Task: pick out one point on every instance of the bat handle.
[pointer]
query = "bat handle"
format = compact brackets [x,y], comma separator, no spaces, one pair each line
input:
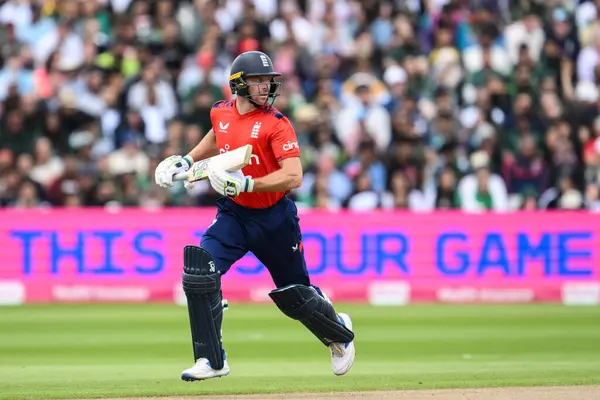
[181,176]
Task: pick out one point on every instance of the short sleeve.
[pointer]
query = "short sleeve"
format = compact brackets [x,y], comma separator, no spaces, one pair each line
[215,110]
[213,113]
[283,140]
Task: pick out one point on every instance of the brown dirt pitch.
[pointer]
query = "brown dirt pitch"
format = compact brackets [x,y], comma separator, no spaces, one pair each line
[520,393]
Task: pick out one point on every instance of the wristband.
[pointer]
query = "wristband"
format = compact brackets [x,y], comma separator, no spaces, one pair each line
[188,159]
[249,186]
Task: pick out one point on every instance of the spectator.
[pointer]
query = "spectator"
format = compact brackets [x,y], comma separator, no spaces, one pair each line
[27,196]
[481,189]
[337,184]
[16,135]
[364,197]
[526,33]
[526,170]
[402,195]
[129,158]
[363,118]
[153,90]
[47,166]
[367,163]
[444,195]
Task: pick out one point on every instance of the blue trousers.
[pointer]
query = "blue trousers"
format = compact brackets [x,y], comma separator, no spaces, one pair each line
[272,234]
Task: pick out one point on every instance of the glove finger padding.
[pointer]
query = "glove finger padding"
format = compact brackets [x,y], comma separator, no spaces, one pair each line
[229,184]
[217,188]
[215,181]
[169,167]
[163,179]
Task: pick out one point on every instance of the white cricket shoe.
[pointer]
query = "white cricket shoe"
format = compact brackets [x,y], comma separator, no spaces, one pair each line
[202,370]
[342,354]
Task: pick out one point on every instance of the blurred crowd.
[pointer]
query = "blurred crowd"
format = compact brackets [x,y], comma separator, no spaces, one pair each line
[408,104]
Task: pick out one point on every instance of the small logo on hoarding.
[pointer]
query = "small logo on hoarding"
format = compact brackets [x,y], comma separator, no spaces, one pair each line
[77,293]
[179,295]
[581,293]
[260,294]
[394,293]
[12,293]
[469,294]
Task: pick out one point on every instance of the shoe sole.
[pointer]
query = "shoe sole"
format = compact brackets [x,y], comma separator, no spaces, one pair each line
[191,378]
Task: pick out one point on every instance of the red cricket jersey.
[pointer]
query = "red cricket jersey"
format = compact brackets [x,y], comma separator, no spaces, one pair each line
[272,138]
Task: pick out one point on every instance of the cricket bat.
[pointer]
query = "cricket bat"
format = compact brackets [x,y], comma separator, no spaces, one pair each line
[231,161]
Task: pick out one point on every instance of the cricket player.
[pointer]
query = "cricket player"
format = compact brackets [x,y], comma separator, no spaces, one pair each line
[254,215]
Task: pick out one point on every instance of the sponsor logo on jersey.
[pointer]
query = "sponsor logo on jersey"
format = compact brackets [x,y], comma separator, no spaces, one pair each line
[290,146]
[223,127]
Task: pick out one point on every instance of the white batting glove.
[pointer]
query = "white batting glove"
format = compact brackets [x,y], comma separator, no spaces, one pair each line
[229,184]
[170,166]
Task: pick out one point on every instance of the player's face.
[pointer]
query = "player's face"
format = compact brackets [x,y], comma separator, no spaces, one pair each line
[258,88]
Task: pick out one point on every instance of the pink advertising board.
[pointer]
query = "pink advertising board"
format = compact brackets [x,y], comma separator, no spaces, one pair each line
[382,258]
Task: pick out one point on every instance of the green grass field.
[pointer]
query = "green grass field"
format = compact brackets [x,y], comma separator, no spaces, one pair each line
[79,351]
